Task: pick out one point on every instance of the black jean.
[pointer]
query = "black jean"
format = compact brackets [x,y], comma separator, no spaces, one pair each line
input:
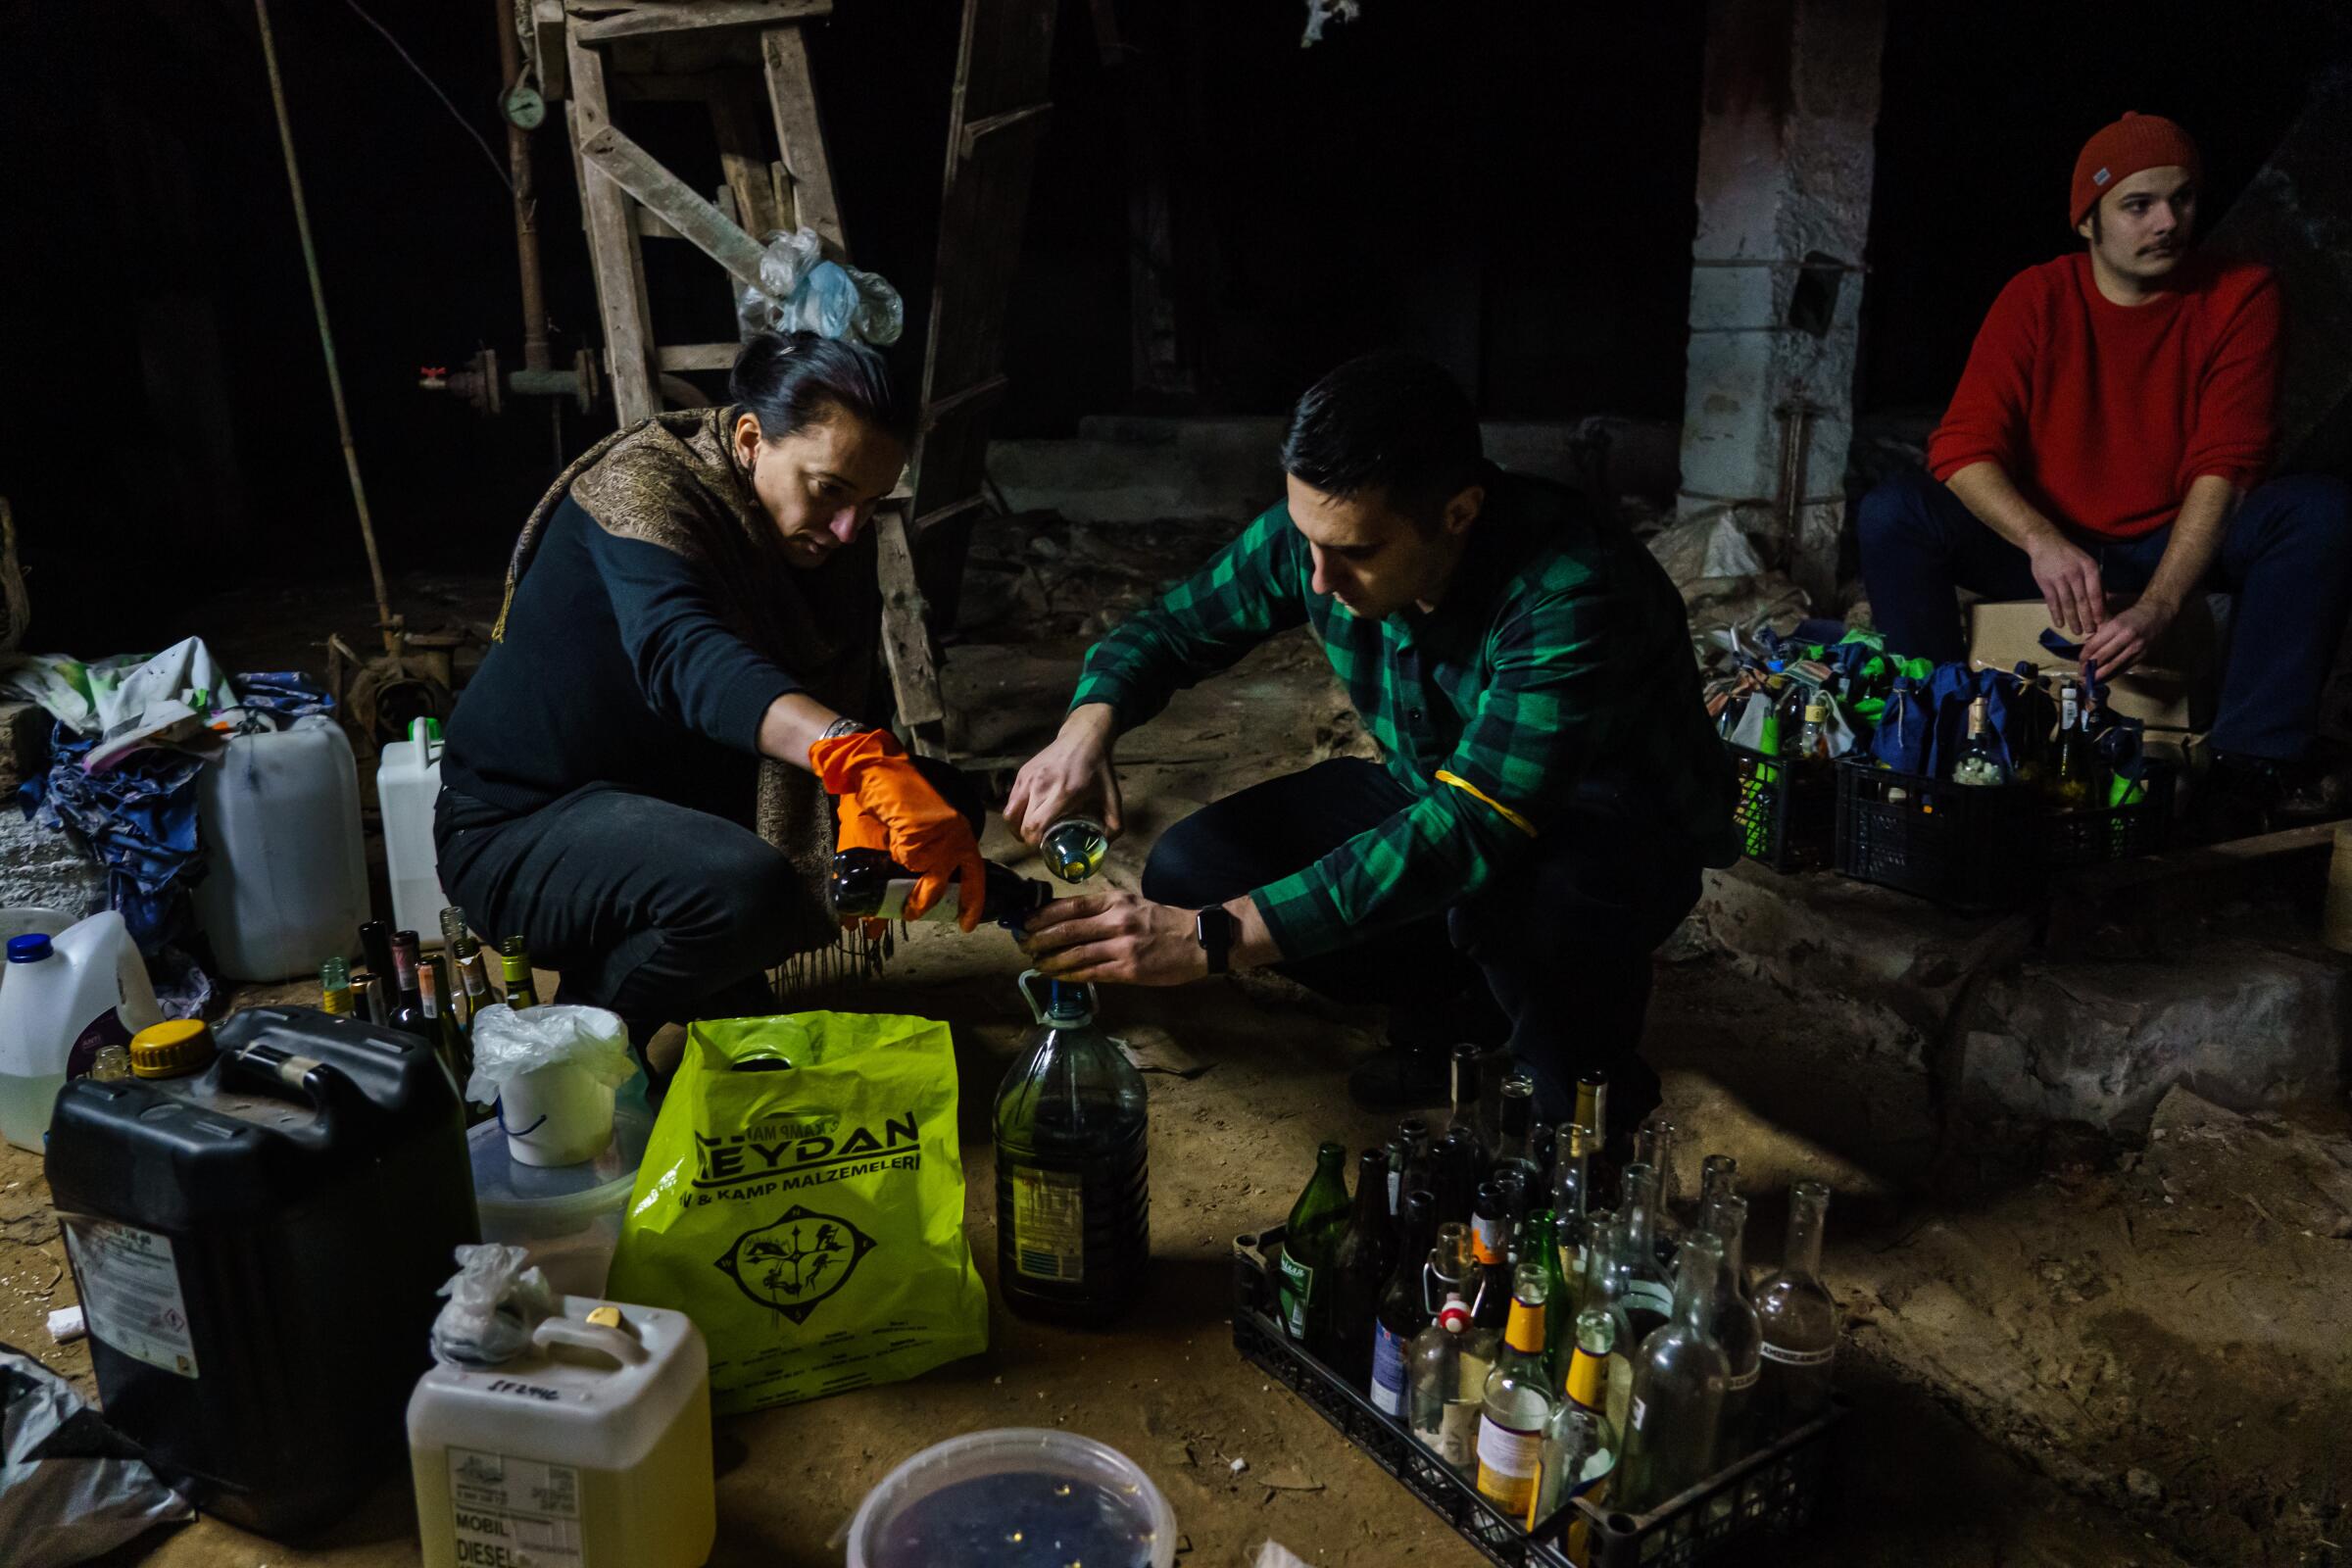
[1562,940]
[661,912]
[2287,557]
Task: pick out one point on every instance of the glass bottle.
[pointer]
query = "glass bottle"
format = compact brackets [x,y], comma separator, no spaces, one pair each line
[1799,1321]
[456,1051]
[1404,1305]
[1310,1250]
[1467,1090]
[334,987]
[2068,782]
[1541,1253]
[1603,1329]
[1718,1175]
[1647,1296]
[453,992]
[1812,748]
[1679,1381]
[1601,1384]
[1515,1115]
[376,946]
[515,968]
[1448,1368]
[867,884]
[1365,1258]
[1737,1329]
[1592,1106]
[408,992]
[1491,1241]
[1775,695]
[1654,1146]
[1981,763]
[1572,1442]
[1409,1163]
[1073,1176]
[1074,847]
[474,975]
[1571,1205]
[1518,1403]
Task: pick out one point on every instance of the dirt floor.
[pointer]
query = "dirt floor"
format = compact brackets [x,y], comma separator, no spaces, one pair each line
[2060,1351]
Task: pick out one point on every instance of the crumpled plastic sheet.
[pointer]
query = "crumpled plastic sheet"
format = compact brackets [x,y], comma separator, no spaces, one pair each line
[495,1303]
[801,291]
[508,1044]
[70,1486]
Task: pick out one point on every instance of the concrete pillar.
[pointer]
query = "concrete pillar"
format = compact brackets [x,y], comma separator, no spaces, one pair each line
[1785,159]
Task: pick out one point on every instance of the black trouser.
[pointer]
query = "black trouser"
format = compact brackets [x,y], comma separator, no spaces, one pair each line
[1561,939]
[658,911]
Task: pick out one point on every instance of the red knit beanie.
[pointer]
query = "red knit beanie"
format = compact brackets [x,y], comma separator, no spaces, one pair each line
[2121,150]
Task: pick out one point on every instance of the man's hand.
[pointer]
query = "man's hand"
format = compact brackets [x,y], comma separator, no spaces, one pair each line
[1115,935]
[1073,774]
[2068,580]
[2126,637]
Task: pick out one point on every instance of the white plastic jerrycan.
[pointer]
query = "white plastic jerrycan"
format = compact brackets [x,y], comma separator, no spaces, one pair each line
[63,999]
[590,1447]
[406,782]
[279,815]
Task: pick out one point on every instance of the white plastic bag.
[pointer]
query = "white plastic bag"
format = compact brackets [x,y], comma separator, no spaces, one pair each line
[508,1044]
[494,1304]
[801,291]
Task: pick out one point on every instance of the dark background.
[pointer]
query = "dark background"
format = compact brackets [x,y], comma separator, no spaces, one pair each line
[1505,185]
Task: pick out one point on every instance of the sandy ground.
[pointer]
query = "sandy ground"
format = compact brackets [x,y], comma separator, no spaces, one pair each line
[2015,1351]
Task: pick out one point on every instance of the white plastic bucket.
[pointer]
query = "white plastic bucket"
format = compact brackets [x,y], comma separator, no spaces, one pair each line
[992,1469]
[558,1115]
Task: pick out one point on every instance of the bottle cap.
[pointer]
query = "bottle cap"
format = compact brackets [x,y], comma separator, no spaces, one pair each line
[31,949]
[1453,1316]
[171,1048]
[424,729]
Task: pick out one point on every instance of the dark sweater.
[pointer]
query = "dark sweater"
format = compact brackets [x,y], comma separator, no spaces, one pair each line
[618,667]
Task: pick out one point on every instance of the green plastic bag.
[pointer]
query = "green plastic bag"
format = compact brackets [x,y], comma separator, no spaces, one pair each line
[808,1217]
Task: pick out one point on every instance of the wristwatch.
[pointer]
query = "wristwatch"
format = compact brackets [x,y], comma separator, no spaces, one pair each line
[1216,929]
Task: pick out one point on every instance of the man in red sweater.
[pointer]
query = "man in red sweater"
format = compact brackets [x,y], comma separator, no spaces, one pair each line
[2106,449]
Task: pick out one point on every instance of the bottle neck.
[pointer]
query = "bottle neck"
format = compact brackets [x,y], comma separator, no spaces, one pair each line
[1372,1190]
[1640,1186]
[1525,1331]
[1802,1255]
[1695,1292]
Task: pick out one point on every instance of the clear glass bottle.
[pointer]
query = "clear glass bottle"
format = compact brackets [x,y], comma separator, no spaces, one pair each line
[1646,1291]
[2068,778]
[1737,1329]
[1311,1247]
[1570,1207]
[1679,1381]
[1717,1174]
[1592,1107]
[1075,847]
[1447,1370]
[1799,1321]
[1571,1442]
[1514,1116]
[1518,1405]
[1594,1385]
[1409,1163]
[1073,1183]
[1654,1144]
[334,987]
[1468,1091]
[1603,1327]
[1981,763]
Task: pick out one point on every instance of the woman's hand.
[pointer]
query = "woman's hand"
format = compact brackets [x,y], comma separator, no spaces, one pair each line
[923,832]
[1074,775]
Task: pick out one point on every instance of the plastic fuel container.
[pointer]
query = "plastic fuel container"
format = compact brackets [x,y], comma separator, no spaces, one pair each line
[589,1450]
[406,782]
[257,1241]
[287,884]
[63,999]
[1073,1188]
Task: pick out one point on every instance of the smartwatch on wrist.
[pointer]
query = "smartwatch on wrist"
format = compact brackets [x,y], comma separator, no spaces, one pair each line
[1215,927]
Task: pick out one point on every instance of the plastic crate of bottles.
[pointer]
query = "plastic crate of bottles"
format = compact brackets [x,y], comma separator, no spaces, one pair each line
[1773,1492]
[1964,847]
[2096,835]
[1786,816]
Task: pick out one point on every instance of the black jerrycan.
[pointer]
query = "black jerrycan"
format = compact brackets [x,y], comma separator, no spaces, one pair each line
[258,1225]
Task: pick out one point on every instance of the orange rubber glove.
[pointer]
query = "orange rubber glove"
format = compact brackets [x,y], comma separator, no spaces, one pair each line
[923,832]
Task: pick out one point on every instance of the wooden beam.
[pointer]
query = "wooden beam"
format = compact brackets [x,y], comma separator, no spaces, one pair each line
[905,644]
[736,120]
[548,48]
[601,20]
[681,207]
[698,355]
[981,395]
[792,95]
[981,130]
[612,246]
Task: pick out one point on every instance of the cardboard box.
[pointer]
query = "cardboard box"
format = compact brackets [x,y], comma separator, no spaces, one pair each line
[2172,688]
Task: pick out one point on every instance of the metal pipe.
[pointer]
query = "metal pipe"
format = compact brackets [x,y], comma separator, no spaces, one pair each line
[385,621]
[526,202]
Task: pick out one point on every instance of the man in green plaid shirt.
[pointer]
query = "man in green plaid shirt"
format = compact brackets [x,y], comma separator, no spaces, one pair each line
[1549,785]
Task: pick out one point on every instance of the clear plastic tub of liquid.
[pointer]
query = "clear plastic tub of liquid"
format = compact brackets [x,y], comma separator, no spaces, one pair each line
[567,1217]
[1014,1499]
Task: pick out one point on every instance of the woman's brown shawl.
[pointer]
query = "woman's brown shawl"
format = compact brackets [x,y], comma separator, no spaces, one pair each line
[675,481]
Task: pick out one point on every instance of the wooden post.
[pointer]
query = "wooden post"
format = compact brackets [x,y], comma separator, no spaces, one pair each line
[792,95]
[612,244]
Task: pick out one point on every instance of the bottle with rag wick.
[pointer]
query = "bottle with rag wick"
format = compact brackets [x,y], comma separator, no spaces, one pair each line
[867,884]
[1073,1183]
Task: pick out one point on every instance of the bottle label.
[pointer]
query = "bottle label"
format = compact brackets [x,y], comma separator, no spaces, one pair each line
[1507,1461]
[1572,1265]
[131,1294]
[1388,1371]
[1048,1224]
[511,1510]
[1650,1293]
[1395,1177]
[1297,1295]
[1741,1381]
[1794,1357]
[1488,1238]
[1639,1410]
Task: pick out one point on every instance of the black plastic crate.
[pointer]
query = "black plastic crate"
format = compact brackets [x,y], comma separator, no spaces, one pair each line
[1968,848]
[1786,816]
[1773,1492]
[2096,836]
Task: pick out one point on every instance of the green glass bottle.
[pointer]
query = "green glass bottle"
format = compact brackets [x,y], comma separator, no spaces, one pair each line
[1310,1249]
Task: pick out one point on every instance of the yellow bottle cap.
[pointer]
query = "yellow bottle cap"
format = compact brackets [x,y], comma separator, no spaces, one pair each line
[171,1048]
[604,1318]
